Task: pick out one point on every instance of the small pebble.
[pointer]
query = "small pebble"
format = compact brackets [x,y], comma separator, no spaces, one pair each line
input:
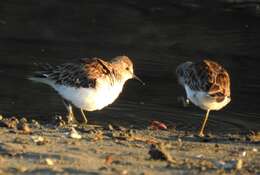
[24,127]
[49,162]
[10,122]
[39,140]
[200,156]
[124,172]
[244,153]
[36,124]
[22,169]
[239,164]
[203,168]
[74,134]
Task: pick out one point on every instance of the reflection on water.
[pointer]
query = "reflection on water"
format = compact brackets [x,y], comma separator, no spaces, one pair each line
[157,44]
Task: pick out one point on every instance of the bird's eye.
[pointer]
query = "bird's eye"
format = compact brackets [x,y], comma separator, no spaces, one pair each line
[127,68]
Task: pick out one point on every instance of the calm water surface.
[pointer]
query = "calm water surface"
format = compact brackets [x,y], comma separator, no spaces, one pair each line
[156,42]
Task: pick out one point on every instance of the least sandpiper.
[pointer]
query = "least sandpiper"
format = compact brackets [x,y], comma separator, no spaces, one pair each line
[207,85]
[90,84]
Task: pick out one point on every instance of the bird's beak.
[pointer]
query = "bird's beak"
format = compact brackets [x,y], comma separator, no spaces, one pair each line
[137,78]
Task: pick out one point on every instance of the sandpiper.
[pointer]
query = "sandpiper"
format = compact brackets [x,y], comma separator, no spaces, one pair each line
[90,84]
[207,85]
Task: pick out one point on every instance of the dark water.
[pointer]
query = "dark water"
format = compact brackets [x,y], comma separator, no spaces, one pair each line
[157,38]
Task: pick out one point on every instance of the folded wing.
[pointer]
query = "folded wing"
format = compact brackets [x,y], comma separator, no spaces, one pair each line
[208,76]
[83,74]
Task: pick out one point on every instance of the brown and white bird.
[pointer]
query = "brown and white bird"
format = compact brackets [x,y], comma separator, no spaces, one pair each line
[90,85]
[207,85]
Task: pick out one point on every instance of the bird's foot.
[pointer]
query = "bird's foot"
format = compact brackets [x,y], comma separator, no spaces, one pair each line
[201,134]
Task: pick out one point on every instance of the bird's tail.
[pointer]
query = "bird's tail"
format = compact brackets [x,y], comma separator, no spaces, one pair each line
[38,79]
[41,76]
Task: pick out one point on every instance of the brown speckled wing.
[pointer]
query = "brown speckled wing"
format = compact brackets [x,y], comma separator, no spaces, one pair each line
[83,74]
[208,76]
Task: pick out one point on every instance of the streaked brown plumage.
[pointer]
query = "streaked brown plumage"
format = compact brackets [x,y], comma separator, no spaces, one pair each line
[207,84]
[90,84]
[85,73]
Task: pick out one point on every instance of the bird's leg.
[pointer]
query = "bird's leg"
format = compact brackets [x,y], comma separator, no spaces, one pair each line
[83,115]
[70,116]
[201,134]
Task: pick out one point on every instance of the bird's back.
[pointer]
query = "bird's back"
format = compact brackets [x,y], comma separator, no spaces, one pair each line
[81,74]
[206,76]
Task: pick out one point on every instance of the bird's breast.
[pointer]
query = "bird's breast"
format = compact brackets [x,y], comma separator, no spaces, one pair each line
[107,93]
[204,100]
[91,99]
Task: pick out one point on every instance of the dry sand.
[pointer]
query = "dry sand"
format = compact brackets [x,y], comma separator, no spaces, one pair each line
[31,148]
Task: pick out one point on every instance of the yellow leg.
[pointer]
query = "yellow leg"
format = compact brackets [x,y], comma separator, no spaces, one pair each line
[70,117]
[83,115]
[204,124]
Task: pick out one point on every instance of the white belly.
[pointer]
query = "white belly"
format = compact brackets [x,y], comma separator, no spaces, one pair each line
[204,101]
[91,99]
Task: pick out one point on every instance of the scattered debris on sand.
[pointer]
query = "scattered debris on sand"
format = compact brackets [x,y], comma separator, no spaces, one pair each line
[49,161]
[9,122]
[157,125]
[74,134]
[13,123]
[159,152]
[30,147]
[23,125]
[58,121]
[254,137]
[39,140]
[109,160]
[229,165]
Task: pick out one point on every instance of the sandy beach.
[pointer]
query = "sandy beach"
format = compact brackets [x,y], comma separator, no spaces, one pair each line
[27,147]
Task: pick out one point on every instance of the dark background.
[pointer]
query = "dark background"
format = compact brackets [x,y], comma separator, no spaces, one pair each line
[156,35]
